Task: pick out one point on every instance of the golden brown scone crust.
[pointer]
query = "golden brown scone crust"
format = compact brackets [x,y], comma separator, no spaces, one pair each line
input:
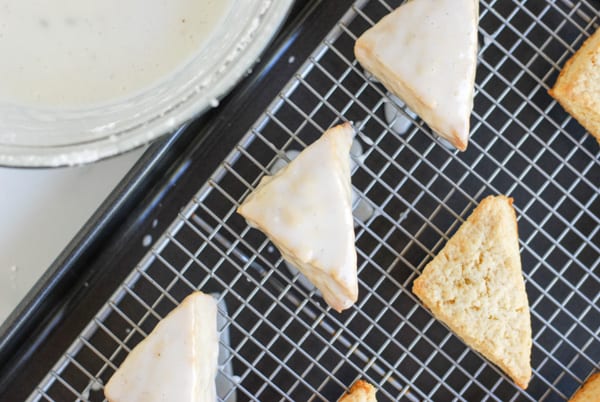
[589,392]
[577,88]
[361,391]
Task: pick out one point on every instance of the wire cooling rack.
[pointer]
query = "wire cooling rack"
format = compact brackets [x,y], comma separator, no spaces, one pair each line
[283,343]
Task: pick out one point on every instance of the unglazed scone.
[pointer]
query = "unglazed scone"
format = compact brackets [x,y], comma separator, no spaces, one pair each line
[475,286]
[577,88]
[177,362]
[361,391]
[305,210]
[425,52]
[589,392]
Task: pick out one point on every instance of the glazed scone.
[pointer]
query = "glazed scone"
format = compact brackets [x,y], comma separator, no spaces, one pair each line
[475,286]
[305,209]
[577,88]
[361,391]
[177,362]
[589,392]
[425,52]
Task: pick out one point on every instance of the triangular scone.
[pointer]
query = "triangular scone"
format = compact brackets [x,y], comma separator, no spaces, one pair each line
[577,88]
[425,52]
[589,392]
[305,209]
[176,362]
[361,391]
[475,286]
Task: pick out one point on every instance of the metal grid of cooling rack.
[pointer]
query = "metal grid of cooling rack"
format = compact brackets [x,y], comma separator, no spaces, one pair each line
[283,343]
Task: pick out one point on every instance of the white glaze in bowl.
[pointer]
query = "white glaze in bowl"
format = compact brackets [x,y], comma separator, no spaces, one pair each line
[43,135]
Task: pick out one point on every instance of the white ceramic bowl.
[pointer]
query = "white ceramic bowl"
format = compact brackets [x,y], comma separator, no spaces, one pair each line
[59,137]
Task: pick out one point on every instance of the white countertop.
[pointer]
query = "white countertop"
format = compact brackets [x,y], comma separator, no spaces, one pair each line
[40,211]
